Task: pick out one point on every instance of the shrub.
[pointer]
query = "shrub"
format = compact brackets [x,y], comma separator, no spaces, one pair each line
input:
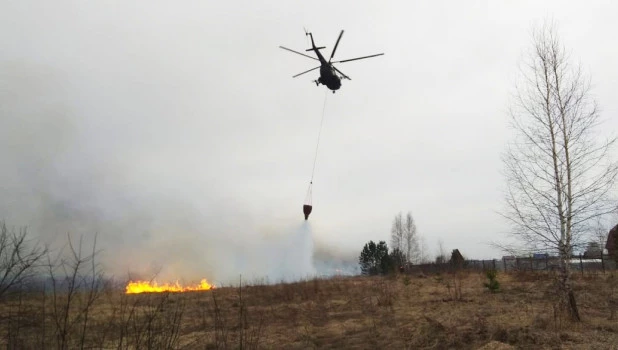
[406,280]
[492,283]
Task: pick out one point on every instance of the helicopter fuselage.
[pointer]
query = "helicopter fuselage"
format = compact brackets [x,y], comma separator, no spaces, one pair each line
[328,76]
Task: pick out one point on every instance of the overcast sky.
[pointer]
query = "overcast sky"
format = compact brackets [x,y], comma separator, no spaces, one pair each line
[174,129]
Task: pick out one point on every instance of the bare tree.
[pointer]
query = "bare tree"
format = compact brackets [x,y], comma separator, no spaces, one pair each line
[77,282]
[601,229]
[423,251]
[20,258]
[404,237]
[558,174]
[410,239]
[441,255]
[397,233]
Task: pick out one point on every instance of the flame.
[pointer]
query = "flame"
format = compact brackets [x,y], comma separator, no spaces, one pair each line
[148,287]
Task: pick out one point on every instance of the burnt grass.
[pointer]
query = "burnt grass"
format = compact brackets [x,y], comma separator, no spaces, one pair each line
[405,311]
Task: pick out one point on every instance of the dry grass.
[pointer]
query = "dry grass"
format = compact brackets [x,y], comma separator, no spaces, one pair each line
[444,311]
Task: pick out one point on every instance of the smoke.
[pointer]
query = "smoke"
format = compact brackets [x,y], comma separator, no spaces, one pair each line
[280,257]
[293,255]
[152,219]
[129,139]
[330,260]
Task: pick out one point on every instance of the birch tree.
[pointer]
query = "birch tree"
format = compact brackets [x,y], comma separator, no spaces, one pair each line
[397,233]
[558,172]
[410,239]
[404,236]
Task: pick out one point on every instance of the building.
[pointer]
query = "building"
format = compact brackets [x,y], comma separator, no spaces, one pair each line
[612,244]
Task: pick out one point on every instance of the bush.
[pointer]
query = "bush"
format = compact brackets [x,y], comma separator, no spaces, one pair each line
[492,283]
[406,280]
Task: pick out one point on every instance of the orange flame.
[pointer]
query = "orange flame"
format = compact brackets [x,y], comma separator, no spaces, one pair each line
[148,287]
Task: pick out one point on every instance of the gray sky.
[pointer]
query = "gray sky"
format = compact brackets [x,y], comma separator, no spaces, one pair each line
[175,130]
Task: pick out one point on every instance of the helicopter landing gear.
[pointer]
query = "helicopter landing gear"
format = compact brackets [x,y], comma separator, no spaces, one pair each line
[317,83]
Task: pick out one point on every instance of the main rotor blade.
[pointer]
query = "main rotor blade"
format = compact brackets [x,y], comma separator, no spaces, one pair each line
[335,48]
[307,71]
[302,54]
[340,72]
[358,58]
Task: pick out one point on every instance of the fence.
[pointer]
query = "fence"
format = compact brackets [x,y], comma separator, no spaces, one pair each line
[578,263]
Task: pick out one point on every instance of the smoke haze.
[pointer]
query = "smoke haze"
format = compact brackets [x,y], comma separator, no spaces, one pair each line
[175,132]
[57,180]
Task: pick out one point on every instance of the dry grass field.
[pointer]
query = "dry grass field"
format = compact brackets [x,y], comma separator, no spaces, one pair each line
[446,311]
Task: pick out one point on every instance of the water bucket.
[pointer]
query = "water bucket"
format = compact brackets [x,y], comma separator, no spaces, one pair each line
[307,210]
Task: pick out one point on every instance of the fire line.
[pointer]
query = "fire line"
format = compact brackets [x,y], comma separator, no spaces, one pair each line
[136,287]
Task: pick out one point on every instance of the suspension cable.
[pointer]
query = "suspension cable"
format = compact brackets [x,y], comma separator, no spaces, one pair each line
[319,134]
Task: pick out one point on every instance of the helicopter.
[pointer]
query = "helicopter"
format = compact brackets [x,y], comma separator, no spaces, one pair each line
[328,72]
